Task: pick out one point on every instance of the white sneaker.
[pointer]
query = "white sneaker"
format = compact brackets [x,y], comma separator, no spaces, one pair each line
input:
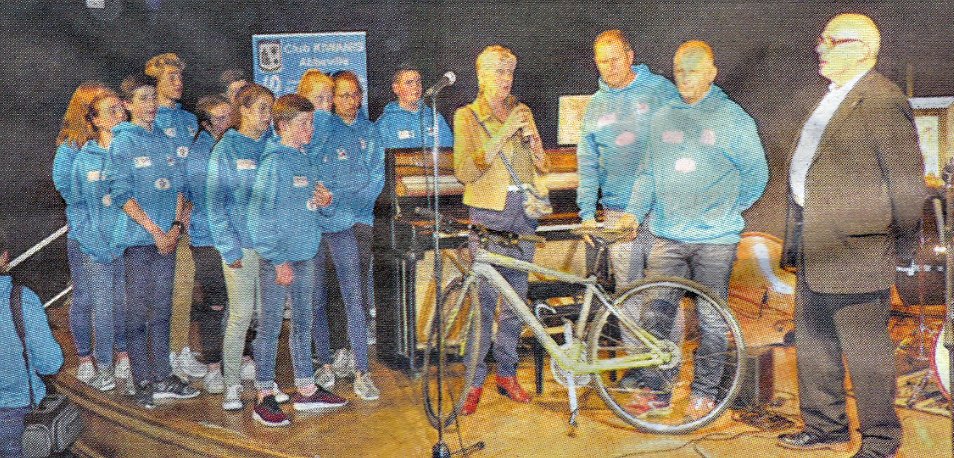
[364,387]
[248,369]
[280,396]
[233,398]
[213,382]
[325,377]
[191,366]
[86,371]
[343,363]
[103,381]
[122,370]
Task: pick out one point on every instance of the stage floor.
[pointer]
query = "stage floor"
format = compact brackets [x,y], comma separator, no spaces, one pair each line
[395,425]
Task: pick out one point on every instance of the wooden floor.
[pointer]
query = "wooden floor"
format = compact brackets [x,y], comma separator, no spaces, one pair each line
[396,426]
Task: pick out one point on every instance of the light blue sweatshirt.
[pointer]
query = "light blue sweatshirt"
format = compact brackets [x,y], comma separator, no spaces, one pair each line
[400,128]
[196,177]
[232,169]
[351,165]
[613,139]
[283,218]
[143,166]
[97,214]
[62,167]
[705,166]
[180,126]
[322,125]
[43,351]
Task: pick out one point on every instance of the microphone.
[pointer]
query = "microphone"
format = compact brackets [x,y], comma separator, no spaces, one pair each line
[447,80]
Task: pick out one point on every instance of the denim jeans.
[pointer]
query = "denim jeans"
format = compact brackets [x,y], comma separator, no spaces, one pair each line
[343,249]
[509,325]
[105,287]
[270,322]
[245,295]
[149,278]
[364,234]
[81,324]
[710,265]
[211,282]
[11,431]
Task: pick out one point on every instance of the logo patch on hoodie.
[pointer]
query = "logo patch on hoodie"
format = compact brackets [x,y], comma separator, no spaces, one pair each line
[642,108]
[93,175]
[342,154]
[171,132]
[163,184]
[685,165]
[141,162]
[405,134]
[363,142]
[674,137]
[625,138]
[708,137]
[107,200]
[182,151]
[605,120]
[245,164]
[300,181]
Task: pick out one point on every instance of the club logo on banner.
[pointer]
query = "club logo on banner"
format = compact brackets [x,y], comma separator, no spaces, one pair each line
[270,55]
[280,60]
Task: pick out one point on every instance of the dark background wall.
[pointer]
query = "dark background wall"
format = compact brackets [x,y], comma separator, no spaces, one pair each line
[764,51]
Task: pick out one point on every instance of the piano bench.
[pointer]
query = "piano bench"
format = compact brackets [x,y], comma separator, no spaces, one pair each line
[539,292]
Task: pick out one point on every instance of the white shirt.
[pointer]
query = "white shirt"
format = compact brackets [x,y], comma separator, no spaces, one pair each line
[812,134]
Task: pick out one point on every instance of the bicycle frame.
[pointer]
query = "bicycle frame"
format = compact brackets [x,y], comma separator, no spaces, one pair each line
[482,267]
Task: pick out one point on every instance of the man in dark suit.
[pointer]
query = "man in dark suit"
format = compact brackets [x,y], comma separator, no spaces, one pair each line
[855,202]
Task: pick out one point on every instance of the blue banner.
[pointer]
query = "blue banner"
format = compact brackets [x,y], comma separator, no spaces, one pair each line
[281,59]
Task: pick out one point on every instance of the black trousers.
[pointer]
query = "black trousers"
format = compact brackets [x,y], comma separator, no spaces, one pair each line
[827,327]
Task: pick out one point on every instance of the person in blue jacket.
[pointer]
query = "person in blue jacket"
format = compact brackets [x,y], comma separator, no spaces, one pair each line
[181,127]
[232,170]
[705,167]
[43,352]
[96,218]
[147,185]
[408,122]
[75,132]
[613,143]
[351,165]
[284,218]
[215,114]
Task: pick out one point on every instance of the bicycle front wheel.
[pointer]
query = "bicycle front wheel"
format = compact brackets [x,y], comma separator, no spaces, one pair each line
[460,321]
[699,373]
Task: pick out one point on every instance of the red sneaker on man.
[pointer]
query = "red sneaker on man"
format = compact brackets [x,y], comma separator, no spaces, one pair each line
[470,404]
[269,413]
[509,387]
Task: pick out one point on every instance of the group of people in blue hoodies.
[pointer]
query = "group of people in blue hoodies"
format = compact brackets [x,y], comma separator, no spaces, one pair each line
[272,194]
[699,163]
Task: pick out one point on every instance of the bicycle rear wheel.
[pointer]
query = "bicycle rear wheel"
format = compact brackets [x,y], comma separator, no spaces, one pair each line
[460,313]
[705,342]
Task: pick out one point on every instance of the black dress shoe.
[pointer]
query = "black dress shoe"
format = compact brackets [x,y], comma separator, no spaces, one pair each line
[872,452]
[804,440]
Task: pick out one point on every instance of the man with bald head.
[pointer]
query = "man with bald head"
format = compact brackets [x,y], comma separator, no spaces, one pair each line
[855,202]
[613,141]
[705,165]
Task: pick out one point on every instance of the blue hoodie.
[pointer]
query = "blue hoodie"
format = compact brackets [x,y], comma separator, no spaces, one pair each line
[613,139]
[322,124]
[351,165]
[43,351]
[705,167]
[196,179]
[283,219]
[400,128]
[90,195]
[180,126]
[143,166]
[232,169]
[62,166]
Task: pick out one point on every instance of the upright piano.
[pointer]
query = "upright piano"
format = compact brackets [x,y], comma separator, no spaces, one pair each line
[404,281]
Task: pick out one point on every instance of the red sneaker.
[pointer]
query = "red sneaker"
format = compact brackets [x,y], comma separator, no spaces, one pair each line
[269,413]
[473,397]
[509,387]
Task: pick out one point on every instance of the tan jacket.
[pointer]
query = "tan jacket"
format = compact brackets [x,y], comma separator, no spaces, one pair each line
[476,160]
[864,194]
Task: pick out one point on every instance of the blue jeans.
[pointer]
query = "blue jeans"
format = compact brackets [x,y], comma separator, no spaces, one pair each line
[509,325]
[104,286]
[710,265]
[364,234]
[270,323]
[343,249]
[11,431]
[148,311]
[81,304]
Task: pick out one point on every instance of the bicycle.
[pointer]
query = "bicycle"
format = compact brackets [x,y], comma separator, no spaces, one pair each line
[604,349]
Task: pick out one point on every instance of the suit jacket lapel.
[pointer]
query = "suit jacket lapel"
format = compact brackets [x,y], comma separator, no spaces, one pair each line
[847,107]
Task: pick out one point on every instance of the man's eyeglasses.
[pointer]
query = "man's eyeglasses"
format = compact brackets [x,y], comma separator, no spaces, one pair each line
[829,42]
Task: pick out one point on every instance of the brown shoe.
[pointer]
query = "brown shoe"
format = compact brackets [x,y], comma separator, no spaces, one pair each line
[473,397]
[509,387]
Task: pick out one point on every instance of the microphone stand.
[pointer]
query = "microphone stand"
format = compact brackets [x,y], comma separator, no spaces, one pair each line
[440,449]
[949,289]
